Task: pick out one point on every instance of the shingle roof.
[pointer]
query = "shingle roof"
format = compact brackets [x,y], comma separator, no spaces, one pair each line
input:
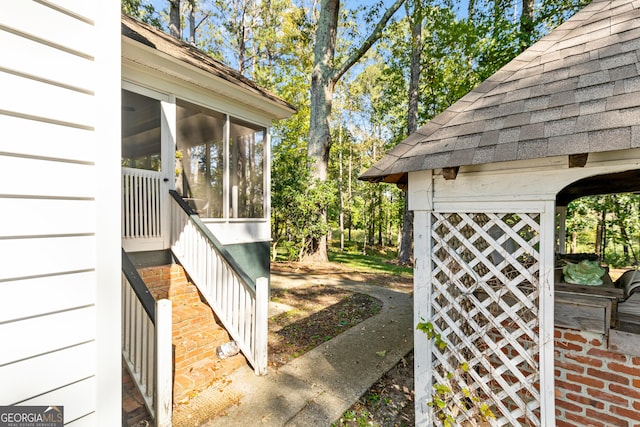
[577,90]
[182,51]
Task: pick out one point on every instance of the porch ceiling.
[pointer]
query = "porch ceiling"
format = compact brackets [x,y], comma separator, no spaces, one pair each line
[623,182]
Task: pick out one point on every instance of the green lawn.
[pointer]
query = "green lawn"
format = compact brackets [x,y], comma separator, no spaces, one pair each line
[375,261]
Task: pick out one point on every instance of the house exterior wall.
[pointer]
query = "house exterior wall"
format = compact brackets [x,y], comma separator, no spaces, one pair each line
[59,285]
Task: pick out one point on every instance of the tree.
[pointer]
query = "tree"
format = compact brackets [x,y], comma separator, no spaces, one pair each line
[141,10]
[405,253]
[527,24]
[324,77]
[175,27]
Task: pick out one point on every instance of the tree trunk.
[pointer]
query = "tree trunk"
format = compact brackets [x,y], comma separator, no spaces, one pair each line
[192,22]
[174,19]
[322,87]
[527,24]
[323,80]
[341,191]
[405,253]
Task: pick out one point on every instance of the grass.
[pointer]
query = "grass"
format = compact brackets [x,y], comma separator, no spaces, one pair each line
[376,260]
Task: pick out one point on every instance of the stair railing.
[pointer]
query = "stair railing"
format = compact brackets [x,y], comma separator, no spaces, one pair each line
[240,304]
[146,343]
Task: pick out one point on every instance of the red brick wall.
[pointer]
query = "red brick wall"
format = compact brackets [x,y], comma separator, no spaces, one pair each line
[594,386]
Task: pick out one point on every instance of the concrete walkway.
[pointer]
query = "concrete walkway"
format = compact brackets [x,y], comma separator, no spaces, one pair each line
[316,388]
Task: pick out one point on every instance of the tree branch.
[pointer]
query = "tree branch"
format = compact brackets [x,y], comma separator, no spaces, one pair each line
[366,45]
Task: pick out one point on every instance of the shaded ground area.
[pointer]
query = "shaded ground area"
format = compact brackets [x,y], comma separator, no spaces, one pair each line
[318,313]
[312,311]
[403,283]
[388,403]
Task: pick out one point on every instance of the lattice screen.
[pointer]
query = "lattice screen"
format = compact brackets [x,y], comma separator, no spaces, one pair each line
[485,309]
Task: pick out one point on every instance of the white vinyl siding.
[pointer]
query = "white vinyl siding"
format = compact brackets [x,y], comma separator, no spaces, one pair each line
[33,138]
[84,400]
[24,217]
[34,19]
[47,372]
[57,73]
[44,294]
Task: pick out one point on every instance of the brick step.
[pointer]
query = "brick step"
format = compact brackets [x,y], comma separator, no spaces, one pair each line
[192,318]
[204,374]
[196,334]
[191,349]
[170,281]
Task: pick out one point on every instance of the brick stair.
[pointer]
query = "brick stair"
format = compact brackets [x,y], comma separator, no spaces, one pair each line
[196,332]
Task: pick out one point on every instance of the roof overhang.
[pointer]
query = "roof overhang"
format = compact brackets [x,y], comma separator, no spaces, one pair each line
[573,93]
[154,50]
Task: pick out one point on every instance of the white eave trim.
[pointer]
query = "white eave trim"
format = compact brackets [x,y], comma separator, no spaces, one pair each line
[161,62]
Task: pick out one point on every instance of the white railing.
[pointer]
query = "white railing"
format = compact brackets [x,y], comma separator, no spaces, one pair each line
[240,306]
[141,203]
[147,349]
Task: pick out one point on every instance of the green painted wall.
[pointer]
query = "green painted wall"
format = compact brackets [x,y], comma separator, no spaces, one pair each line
[254,257]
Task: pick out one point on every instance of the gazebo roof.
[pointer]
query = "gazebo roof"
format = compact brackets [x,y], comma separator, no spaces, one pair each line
[576,91]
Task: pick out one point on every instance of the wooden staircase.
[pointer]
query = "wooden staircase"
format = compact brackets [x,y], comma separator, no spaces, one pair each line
[196,333]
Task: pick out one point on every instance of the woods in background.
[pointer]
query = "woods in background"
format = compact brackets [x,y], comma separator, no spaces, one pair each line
[362,79]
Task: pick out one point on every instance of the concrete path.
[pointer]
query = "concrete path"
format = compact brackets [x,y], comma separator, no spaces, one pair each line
[316,388]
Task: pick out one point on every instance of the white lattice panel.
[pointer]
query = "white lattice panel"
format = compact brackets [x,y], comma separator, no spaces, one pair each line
[485,308]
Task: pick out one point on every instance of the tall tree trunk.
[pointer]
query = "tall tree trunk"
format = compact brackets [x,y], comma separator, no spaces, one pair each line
[405,253]
[175,29]
[527,24]
[341,191]
[322,87]
[324,77]
[242,37]
[192,22]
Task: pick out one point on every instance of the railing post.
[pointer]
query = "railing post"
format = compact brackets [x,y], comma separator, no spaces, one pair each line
[164,364]
[262,316]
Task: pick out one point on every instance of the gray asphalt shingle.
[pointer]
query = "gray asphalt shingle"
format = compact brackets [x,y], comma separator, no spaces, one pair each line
[577,90]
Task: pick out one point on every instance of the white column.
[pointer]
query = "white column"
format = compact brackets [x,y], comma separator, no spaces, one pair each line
[420,194]
[163,403]
[261,330]
[546,308]
[107,202]
[422,313]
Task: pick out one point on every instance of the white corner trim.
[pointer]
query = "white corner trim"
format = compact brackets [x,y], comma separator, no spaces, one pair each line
[420,190]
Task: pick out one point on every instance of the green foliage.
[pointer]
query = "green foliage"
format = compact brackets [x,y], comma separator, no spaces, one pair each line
[429,330]
[380,261]
[272,43]
[350,418]
[606,225]
[143,11]
[296,202]
[454,389]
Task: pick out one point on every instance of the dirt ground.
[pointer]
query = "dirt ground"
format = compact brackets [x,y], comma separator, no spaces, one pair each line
[388,403]
[321,312]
